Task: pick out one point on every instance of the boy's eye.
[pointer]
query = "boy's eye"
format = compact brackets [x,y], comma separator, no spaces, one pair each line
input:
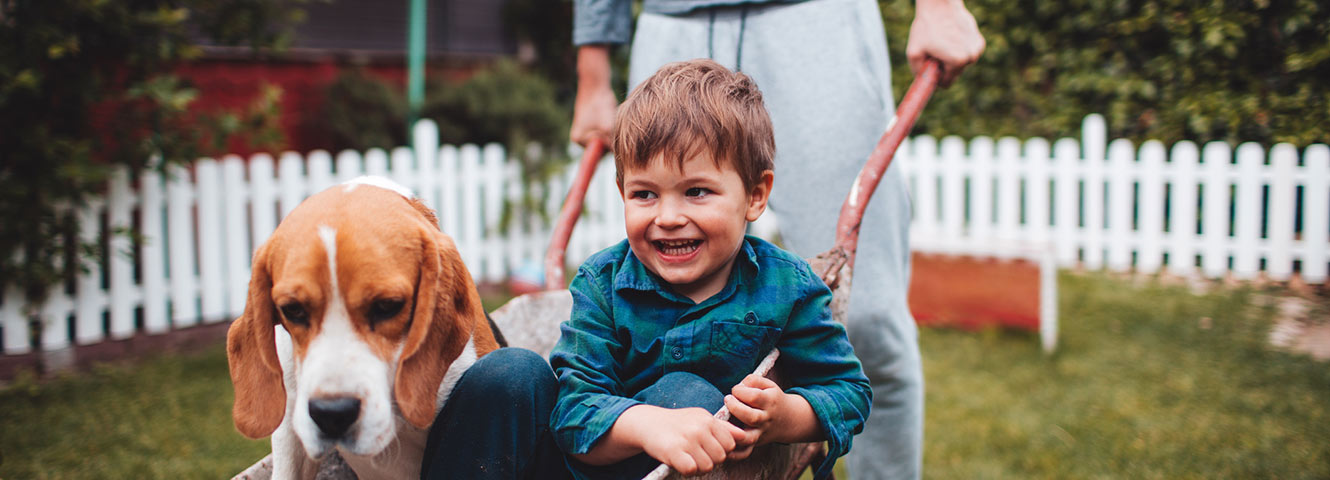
[643,195]
[697,192]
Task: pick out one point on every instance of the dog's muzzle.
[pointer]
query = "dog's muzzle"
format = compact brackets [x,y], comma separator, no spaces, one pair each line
[334,415]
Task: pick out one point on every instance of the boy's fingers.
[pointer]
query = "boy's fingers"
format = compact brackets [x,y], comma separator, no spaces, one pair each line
[741,452]
[702,458]
[758,381]
[724,433]
[683,463]
[715,450]
[744,413]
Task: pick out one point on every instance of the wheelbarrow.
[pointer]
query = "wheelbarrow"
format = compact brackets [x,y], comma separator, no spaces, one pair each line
[532,320]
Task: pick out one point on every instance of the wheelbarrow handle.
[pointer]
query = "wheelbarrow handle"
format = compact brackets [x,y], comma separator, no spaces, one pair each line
[568,214]
[852,211]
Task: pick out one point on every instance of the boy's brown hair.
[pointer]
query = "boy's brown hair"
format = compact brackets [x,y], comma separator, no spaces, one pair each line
[693,105]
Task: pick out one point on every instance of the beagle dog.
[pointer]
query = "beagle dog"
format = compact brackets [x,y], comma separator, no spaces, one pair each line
[360,320]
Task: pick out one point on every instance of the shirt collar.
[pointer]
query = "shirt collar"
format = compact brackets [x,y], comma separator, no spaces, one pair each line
[633,275]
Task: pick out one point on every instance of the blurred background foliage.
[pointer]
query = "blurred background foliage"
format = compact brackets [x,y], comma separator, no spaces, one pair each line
[504,102]
[1233,70]
[86,86]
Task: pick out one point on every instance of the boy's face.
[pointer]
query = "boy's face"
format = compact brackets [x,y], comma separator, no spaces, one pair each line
[687,226]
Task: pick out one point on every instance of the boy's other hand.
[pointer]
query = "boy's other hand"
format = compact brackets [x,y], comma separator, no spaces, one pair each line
[771,414]
[689,440]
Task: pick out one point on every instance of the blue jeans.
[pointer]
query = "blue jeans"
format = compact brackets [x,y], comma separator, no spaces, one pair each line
[674,390]
[496,422]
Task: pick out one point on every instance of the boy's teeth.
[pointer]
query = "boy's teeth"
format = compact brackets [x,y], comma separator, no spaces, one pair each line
[676,247]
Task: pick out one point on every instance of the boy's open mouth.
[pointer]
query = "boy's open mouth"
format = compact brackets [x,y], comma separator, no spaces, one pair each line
[675,248]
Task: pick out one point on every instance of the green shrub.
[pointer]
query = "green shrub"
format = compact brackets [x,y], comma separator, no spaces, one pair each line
[1235,70]
[86,86]
[363,112]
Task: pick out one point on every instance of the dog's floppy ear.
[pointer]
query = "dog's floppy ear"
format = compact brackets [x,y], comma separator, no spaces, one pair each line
[436,336]
[251,352]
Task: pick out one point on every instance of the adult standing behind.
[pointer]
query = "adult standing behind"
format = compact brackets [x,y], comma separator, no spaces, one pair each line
[823,69]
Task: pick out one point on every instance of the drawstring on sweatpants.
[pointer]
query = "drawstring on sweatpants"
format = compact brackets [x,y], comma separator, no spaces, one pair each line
[739,47]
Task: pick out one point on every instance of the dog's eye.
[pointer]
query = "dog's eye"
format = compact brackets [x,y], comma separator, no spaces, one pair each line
[295,313]
[382,310]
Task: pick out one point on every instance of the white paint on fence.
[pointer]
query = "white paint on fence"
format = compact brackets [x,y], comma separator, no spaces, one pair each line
[1084,202]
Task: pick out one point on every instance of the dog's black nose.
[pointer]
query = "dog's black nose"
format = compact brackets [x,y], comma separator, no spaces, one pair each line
[334,415]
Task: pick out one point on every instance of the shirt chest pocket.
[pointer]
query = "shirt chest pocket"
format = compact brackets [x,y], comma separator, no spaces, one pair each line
[745,340]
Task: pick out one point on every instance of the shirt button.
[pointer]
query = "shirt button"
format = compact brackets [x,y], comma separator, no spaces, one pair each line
[677,353]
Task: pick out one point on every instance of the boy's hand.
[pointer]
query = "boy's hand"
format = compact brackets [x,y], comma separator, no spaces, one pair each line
[689,440]
[771,414]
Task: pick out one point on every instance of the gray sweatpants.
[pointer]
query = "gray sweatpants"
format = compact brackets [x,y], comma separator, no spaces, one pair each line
[823,70]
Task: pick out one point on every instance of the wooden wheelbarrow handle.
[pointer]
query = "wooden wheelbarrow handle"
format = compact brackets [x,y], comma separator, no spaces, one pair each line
[568,214]
[852,211]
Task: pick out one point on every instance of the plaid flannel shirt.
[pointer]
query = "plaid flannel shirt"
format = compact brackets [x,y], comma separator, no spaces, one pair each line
[628,329]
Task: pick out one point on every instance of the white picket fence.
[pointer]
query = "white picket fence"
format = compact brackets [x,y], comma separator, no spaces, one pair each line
[1187,210]
[1101,205]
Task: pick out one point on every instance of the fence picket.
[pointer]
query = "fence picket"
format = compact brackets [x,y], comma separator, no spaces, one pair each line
[14,323]
[55,316]
[262,202]
[180,239]
[1066,206]
[376,162]
[1150,207]
[1182,209]
[291,183]
[1279,216]
[981,202]
[469,203]
[1119,235]
[1316,214]
[1037,214]
[236,235]
[450,209]
[1008,190]
[403,168]
[1218,158]
[319,173]
[493,161]
[153,252]
[425,147]
[923,168]
[952,171]
[89,300]
[349,165]
[1094,135]
[211,251]
[119,219]
[1248,206]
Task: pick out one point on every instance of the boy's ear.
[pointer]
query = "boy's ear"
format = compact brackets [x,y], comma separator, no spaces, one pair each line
[758,196]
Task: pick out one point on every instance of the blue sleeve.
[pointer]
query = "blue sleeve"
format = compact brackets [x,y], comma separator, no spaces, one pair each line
[825,368]
[586,360]
[602,21]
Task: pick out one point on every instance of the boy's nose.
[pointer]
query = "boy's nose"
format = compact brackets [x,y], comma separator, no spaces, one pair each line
[671,214]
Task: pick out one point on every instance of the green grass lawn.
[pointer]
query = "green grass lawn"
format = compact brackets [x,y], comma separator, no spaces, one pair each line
[1138,389]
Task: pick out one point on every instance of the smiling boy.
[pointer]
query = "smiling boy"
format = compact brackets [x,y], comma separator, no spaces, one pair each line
[666,321]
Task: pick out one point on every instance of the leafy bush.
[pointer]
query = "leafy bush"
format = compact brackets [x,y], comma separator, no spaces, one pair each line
[86,86]
[363,112]
[1237,70]
[502,103]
